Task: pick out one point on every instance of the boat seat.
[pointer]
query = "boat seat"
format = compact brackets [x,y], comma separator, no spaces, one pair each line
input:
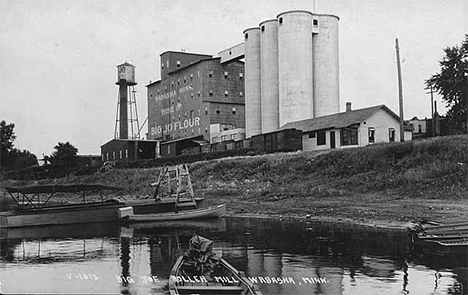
[220,290]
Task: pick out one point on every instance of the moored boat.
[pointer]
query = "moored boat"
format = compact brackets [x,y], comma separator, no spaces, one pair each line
[127,214]
[200,271]
[26,208]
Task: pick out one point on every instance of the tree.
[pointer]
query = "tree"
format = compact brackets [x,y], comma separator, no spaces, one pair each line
[452,84]
[10,157]
[7,136]
[18,159]
[64,153]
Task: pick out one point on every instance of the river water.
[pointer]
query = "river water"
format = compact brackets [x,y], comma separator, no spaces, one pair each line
[282,256]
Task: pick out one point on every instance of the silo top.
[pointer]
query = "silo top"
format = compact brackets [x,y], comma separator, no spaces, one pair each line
[267,21]
[328,15]
[251,29]
[294,11]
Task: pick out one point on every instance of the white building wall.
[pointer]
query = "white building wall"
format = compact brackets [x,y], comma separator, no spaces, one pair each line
[381,121]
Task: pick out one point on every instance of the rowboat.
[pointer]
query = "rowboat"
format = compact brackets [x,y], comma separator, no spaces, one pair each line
[127,214]
[443,240]
[27,208]
[217,276]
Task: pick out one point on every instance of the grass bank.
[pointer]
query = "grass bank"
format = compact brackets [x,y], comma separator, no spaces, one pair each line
[384,184]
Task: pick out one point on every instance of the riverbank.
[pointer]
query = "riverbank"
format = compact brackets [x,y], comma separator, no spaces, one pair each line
[385,185]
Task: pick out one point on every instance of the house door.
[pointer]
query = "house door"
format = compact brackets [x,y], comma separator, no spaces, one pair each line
[332,139]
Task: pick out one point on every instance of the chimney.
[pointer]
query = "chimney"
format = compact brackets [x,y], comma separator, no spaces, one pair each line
[348,106]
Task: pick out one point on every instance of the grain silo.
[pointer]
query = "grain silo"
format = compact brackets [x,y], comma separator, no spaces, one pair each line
[253,109]
[326,66]
[295,66]
[269,75]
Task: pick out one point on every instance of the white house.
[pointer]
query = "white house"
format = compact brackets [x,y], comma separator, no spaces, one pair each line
[351,128]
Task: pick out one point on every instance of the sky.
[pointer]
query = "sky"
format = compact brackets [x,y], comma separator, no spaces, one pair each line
[58,58]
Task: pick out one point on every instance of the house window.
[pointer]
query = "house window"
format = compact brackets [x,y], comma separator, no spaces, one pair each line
[391,134]
[233,111]
[120,154]
[321,138]
[371,135]
[226,93]
[191,95]
[280,20]
[241,94]
[214,139]
[206,110]
[185,79]
[210,73]
[168,149]
[246,36]
[113,155]
[126,153]
[198,93]
[315,22]
[191,77]
[167,63]
[311,134]
[107,154]
[419,128]
[217,110]
[241,76]
[206,129]
[102,157]
[211,93]
[233,136]
[225,75]
[178,63]
[349,136]
[223,137]
[263,29]
[178,81]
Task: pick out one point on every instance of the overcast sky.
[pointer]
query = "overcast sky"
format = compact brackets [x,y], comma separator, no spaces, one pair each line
[58,58]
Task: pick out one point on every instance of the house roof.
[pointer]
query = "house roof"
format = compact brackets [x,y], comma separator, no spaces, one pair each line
[339,120]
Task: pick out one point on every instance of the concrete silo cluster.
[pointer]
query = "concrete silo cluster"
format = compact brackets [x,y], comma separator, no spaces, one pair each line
[291,70]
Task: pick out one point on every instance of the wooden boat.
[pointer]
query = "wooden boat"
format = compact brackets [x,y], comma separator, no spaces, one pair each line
[179,176]
[28,209]
[127,214]
[224,279]
[443,240]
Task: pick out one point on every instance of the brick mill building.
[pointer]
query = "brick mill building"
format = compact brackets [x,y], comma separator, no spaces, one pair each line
[198,100]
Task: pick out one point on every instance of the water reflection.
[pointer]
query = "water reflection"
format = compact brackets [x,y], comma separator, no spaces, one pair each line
[282,257]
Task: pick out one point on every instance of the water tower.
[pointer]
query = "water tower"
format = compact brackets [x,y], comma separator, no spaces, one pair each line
[127,113]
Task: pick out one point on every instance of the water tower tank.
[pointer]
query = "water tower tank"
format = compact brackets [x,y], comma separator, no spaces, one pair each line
[253,114]
[295,66]
[126,72]
[326,66]
[269,75]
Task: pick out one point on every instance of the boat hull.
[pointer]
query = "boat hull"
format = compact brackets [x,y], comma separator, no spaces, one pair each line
[229,281]
[211,212]
[79,213]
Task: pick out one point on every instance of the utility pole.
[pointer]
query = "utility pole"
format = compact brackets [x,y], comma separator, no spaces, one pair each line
[432,110]
[400,91]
